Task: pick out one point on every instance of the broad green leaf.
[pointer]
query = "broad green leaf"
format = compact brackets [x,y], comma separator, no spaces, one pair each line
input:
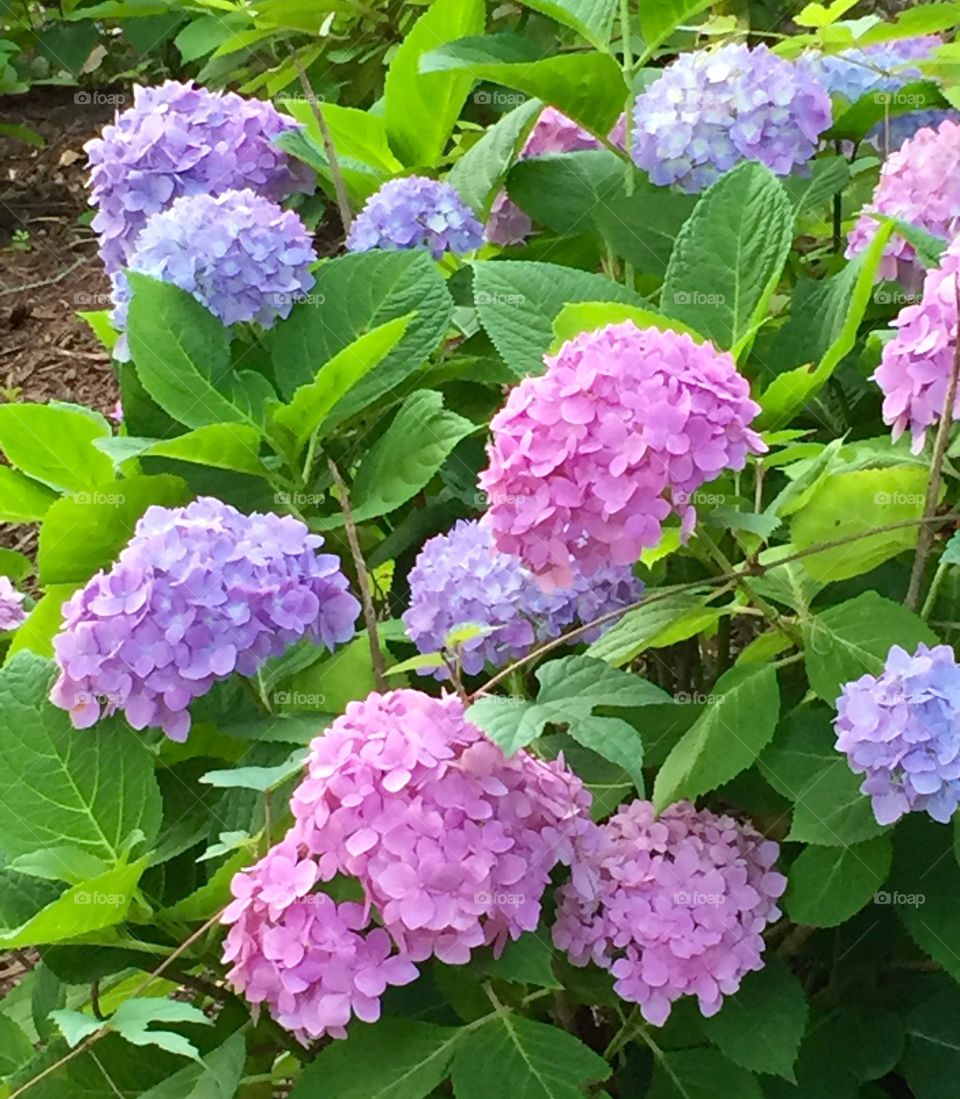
[354,294]
[729,255]
[396,1059]
[52,444]
[221,446]
[587,87]
[872,1039]
[641,628]
[132,1021]
[511,1055]
[817,185]
[932,1055]
[85,532]
[257,778]
[818,15]
[527,960]
[14,564]
[828,885]
[421,108]
[659,20]
[593,19]
[725,739]
[852,504]
[312,403]
[216,1076]
[853,638]
[762,1025]
[614,739]
[700,1074]
[479,173]
[585,679]
[22,500]
[512,723]
[874,109]
[518,301]
[62,863]
[95,787]
[210,897]
[588,316]
[16,1048]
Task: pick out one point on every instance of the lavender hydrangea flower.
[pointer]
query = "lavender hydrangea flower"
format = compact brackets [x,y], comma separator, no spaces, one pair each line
[914,371]
[711,109]
[901,730]
[460,577]
[882,67]
[198,593]
[237,253]
[672,905]
[12,613]
[416,212]
[178,139]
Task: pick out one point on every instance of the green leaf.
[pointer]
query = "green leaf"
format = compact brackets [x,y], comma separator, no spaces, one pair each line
[725,739]
[518,301]
[588,316]
[592,19]
[52,444]
[221,446]
[614,739]
[257,778]
[86,532]
[587,87]
[132,1021]
[828,885]
[825,178]
[182,356]
[396,1059]
[22,500]
[312,403]
[217,1076]
[853,638]
[658,21]
[700,1074]
[62,863]
[421,109]
[872,1040]
[761,1027]
[353,295]
[95,788]
[210,897]
[15,1047]
[511,1055]
[43,622]
[933,1045]
[643,627]
[527,960]
[875,108]
[479,173]
[729,255]
[405,458]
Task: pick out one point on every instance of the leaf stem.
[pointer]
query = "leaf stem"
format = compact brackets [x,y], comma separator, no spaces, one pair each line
[339,185]
[628,63]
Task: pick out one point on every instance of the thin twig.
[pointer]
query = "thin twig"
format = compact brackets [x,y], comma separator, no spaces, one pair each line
[925,541]
[336,176]
[46,282]
[369,611]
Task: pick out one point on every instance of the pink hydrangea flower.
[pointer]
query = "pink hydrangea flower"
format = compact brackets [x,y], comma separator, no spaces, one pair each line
[588,459]
[920,184]
[671,906]
[914,371]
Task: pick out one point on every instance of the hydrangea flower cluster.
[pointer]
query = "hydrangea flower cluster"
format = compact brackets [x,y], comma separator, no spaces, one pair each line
[914,370]
[672,906]
[888,136]
[920,183]
[553,133]
[237,253]
[12,613]
[460,577]
[882,67]
[452,843]
[198,593]
[178,139]
[582,456]
[416,212]
[901,730]
[712,109]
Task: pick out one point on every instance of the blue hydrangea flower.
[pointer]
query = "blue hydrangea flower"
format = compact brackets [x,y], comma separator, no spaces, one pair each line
[199,592]
[901,730]
[711,109]
[238,254]
[460,578]
[883,67]
[416,212]
[178,139]
[889,135]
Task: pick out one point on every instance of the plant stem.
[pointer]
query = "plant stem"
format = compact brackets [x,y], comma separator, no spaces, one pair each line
[628,62]
[336,176]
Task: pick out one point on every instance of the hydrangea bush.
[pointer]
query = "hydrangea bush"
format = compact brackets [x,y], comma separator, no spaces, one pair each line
[500,643]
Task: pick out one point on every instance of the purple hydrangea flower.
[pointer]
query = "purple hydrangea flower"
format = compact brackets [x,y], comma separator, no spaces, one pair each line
[12,613]
[672,905]
[920,184]
[901,730]
[178,139]
[416,212]
[711,109]
[588,459]
[198,593]
[237,253]
[460,577]
[882,67]
[451,842]
[914,371]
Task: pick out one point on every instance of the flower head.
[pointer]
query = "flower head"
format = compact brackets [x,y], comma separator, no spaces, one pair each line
[673,905]
[416,212]
[588,459]
[237,253]
[901,730]
[920,184]
[889,136]
[178,139]
[914,371]
[12,613]
[882,67]
[711,109]
[198,593]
